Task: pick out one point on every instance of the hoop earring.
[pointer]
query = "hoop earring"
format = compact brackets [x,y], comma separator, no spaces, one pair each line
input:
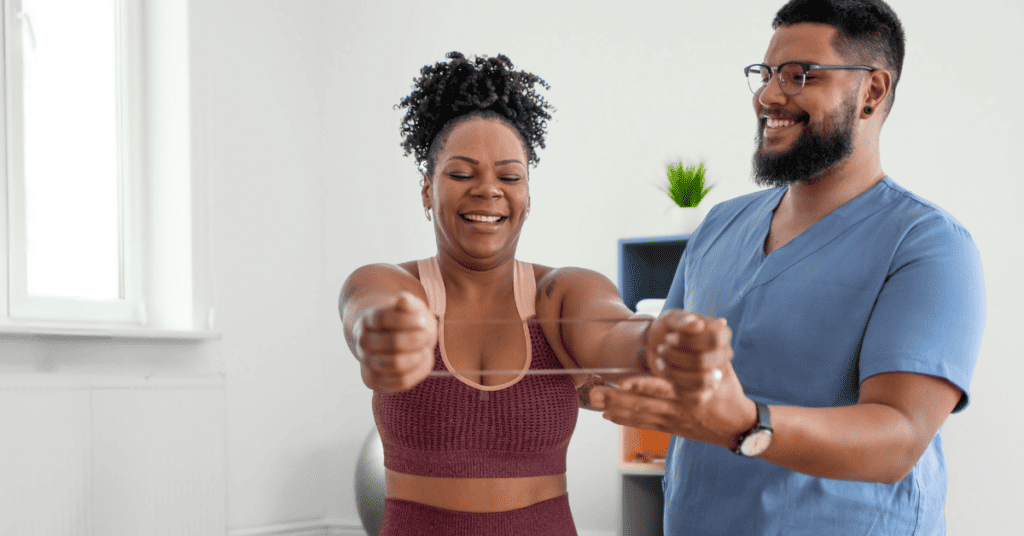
[868,110]
[427,212]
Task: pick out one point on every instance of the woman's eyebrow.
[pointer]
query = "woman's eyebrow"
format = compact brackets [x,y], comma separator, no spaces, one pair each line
[477,162]
[466,158]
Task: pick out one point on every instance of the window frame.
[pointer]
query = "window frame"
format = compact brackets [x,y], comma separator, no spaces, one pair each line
[166,285]
[129,308]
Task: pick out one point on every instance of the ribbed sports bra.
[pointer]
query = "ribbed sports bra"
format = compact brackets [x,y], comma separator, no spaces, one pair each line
[445,427]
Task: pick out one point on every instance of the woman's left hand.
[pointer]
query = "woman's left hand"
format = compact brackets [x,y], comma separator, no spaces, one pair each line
[693,393]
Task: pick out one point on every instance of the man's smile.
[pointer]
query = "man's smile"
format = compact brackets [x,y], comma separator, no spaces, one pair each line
[778,122]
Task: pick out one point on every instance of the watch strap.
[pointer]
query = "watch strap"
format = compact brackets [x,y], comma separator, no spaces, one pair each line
[764,422]
[764,417]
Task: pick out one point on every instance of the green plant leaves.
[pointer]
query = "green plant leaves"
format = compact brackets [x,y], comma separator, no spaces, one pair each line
[686,184]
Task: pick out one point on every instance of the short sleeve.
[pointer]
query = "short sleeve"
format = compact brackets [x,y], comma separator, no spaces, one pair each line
[677,291]
[930,313]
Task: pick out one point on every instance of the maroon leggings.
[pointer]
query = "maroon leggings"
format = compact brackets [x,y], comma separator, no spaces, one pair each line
[547,518]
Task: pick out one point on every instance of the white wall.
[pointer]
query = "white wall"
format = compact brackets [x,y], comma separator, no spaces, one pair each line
[259,71]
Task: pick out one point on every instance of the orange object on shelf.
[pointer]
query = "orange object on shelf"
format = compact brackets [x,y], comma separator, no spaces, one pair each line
[642,449]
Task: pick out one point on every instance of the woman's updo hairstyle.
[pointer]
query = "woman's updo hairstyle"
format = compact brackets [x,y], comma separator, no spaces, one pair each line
[447,92]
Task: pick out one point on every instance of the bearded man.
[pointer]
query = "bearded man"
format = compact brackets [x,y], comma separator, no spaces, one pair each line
[836,317]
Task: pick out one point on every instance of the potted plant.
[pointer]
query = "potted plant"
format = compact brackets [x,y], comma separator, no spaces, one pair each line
[686,189]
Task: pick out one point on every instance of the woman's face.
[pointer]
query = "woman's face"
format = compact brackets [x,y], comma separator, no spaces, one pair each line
[479,193]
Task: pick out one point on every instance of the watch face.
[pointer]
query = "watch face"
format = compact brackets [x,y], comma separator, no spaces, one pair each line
[756,443]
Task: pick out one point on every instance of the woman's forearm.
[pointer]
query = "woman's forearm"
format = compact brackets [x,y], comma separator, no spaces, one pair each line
[624,346]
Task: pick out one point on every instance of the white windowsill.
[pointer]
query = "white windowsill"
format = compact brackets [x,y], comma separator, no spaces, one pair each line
[31,381]
[49,331]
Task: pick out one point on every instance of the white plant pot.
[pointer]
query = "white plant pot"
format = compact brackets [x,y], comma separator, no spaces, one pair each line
[679,220]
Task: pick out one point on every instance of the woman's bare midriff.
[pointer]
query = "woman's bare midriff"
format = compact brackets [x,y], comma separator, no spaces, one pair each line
[474,494]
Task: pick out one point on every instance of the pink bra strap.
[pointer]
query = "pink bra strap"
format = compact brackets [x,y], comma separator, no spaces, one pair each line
[433,285]
[525,286]
[525,290]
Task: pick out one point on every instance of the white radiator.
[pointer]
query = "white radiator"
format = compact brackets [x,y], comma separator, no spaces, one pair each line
[91,456]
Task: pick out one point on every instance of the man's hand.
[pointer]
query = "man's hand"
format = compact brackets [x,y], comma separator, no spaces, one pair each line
[694,392]
[396,344]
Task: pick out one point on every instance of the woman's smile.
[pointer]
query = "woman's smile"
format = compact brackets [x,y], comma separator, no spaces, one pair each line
[483,217]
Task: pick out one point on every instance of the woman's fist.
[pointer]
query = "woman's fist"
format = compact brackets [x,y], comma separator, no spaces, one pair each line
[396,344]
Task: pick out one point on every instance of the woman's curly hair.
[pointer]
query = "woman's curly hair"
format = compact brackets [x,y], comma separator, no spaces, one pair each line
[447,91]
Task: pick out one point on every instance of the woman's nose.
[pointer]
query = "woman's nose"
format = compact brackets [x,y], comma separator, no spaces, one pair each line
[487,185]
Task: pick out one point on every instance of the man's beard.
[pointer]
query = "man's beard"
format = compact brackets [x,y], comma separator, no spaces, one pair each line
[816,150]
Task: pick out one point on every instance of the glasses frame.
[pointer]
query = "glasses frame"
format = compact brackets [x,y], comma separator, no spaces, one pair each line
[804,66]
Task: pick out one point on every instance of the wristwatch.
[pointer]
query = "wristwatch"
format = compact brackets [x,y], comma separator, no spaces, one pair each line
[755,441]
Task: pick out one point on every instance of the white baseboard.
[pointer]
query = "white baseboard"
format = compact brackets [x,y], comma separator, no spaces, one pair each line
[320,527]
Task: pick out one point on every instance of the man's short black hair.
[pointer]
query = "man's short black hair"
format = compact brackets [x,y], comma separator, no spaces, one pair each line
[869,31]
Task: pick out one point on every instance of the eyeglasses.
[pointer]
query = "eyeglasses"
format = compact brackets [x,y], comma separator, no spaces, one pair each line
[792,75]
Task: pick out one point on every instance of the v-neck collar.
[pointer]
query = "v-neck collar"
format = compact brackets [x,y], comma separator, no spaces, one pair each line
[814,237]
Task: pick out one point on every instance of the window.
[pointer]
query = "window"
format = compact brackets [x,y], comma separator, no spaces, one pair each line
[93,113]
[71,169]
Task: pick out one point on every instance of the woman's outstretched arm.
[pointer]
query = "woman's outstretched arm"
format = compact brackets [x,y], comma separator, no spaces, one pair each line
[388,326]
[597,330]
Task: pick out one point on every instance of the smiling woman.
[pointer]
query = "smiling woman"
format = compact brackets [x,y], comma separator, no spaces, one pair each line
[481,195]
[475,414]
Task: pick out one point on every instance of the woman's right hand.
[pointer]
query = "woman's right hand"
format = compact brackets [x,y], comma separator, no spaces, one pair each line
[396,344]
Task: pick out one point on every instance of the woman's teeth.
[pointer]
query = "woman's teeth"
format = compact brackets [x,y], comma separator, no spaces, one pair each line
[482,219]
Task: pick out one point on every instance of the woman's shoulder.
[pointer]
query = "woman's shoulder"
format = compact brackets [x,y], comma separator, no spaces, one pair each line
[383,279]
[412,267]
[381,276]
[382,269]
[552,279]
[563,271]
[540,272]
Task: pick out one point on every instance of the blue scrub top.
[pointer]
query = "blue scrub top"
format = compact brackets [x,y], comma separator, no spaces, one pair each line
[887,282]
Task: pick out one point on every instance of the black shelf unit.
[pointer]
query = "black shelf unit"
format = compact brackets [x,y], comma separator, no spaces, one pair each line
[647,266]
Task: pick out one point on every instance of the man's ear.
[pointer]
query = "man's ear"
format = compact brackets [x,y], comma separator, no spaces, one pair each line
[879,84]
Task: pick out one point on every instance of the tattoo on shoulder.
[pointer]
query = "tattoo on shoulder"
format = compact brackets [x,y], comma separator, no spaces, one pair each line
[551,285]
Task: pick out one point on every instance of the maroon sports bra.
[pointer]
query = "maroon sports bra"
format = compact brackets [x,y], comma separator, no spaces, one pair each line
[451,427]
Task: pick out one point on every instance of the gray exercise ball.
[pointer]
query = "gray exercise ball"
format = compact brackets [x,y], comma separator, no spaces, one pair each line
[370,483]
